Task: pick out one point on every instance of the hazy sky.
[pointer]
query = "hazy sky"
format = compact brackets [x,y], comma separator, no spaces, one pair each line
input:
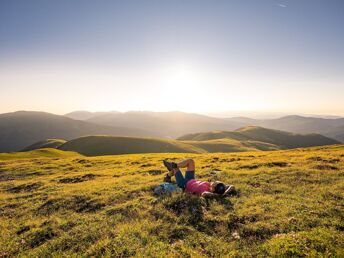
[193,56]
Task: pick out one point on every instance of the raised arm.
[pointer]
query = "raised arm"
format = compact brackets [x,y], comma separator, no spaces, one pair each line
[230,189]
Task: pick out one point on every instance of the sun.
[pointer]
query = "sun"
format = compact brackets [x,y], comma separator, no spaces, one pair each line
[180,88]
[181,79]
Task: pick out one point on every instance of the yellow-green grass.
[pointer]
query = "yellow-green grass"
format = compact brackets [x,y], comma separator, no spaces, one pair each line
[290,204]
[48,143]
[231,145]
[40,153]
[250,138]
[282,139]
[110,145]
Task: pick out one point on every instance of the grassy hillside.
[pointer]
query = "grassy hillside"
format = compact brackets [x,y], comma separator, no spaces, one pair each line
[23,128]
[254,133]
[231,145]
[110,145]
[289,204]
[331,127]
[48,143]
[245,139]
[41,153]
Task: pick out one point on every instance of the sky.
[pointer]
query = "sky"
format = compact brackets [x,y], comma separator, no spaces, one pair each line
[192,56]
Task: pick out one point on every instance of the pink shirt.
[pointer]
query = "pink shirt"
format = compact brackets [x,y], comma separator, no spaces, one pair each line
[197,187]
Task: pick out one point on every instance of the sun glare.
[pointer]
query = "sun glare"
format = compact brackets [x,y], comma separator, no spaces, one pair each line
[181,88]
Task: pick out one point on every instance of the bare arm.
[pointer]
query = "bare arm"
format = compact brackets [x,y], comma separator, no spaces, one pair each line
[208,195]
[230,189]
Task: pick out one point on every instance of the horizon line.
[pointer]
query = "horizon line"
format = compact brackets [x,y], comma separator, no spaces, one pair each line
[216,114]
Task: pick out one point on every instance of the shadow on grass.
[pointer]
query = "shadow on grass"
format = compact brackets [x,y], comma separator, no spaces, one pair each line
[25,188]
[77,179]
[77,203]
[191,210]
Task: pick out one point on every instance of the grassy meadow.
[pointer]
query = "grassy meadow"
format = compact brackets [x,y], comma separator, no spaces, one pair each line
[289,203]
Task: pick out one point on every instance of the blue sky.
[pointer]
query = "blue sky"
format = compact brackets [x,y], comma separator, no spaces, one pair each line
[193,56]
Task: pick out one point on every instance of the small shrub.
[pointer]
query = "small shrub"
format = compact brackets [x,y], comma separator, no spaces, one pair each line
[254,166]
[40,236]
[77,203]
[22,230]
[128,211]
[179,233]
[190,209]
[155,172]
[77,179]
[325,167]
[146,165]
[277,164]
[25,188]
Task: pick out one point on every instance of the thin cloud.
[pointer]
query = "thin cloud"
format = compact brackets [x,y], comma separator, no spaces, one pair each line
[282,5]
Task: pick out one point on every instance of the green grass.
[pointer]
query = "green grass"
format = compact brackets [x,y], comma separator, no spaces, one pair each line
[40,153]
[290,204]
[231,145]
[48,143]
[281,139]
[109,145]
[246,139]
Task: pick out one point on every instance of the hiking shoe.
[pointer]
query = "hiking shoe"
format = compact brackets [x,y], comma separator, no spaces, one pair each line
[167,179]
[169,165]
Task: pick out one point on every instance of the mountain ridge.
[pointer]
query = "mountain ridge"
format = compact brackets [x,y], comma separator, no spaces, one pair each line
[256,133]
[251,138]
[22,128]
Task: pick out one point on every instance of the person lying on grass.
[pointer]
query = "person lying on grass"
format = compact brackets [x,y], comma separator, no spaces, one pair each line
[190,185]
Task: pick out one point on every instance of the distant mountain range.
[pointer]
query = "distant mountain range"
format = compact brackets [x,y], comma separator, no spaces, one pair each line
[167,124]
[23,128]
[175,124]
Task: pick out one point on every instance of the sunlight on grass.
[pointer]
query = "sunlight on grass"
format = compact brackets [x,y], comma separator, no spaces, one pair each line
[55,203]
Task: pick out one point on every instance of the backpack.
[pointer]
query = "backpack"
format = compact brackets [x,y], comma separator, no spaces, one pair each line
[166,189]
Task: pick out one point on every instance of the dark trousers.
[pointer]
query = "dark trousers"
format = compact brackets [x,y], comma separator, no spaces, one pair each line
[181,180]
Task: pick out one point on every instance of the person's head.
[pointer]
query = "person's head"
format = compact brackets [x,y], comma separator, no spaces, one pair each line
[217,187]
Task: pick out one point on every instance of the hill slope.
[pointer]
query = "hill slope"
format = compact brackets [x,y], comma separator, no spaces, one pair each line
[110,145]
[231,145]
[85,115]
[176,124]
[290,204]
[40,153]
[21,129]
[299,124]
[245,139]
[48,143]
[253,133]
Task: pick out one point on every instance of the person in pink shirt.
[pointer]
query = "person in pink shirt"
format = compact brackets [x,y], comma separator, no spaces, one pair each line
[190,184]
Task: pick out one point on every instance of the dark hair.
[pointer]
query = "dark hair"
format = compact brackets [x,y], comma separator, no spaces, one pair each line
[220,188]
